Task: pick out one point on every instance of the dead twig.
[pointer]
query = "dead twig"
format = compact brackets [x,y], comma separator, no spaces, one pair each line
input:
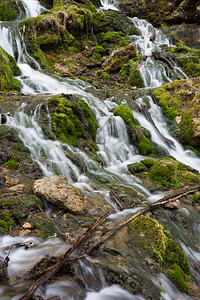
[63,259]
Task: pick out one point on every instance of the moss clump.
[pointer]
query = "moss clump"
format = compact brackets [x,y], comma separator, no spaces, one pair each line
[8,10]
[125,113]
[72,120]
[45,226]
[130,72]
[5,222]
[164,171]
[149,162]
[13,163]
[146,147]
[138,135]
[8,69]
[188,59]
[136,168]
[151,236]
[179,278]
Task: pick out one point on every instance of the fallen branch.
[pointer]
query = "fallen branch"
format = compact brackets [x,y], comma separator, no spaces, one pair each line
[144,210]
[115,198]
[63,259]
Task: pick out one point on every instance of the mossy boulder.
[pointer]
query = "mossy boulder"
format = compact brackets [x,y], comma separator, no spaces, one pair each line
[164,171]
[9,10]
[73,122]
[167,172]
[8,69]
[76,40]
[136,168]
[147,233]
[180,102]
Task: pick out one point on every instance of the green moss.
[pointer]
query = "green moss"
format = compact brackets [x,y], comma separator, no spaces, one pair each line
[5,222]
[130,72]
[45,226]
[8,10]
[103,74]
[149,162]
[186,127]
[13,163]
[148,234]
[136,168]
[168,102]
[125,113]
[146,147]
[164,171]
[8,69]
[72,120]
[178,277]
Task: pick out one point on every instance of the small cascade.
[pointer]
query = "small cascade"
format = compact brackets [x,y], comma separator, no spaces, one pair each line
[109,4]
[187,157]
[148,41]
[114,149]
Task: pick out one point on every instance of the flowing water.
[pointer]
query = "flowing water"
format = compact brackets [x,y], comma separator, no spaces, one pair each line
[113,147]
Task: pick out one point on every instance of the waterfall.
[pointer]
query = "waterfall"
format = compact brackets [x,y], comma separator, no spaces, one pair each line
[114,148]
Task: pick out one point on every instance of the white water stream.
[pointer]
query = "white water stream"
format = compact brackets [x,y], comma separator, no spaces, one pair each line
[113,147]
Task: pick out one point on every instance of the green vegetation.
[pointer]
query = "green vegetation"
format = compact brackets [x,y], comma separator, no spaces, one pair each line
[136,168]
[44,226]
[148,234]
[149,162]
[180,98]
[126,114]
[72,120]
[8,10]
[164,171]
[139,136]
[8,69]
[13,163]
[130,72]
[188,59]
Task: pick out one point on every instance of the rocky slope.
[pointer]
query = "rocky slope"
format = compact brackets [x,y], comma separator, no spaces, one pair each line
[79,41]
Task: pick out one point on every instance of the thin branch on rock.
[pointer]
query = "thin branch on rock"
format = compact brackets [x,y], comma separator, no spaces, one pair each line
[144,210]
[63,259]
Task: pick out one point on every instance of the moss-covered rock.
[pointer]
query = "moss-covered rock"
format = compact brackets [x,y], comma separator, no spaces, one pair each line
[147,233]
[164,171]
[136,168]
[76,40]
[8,69]
[9,10]
[180,102]
[162,11]
[167,172]
[73,122]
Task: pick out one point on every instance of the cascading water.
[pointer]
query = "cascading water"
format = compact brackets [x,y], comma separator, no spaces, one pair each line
[148,41]
[113,147]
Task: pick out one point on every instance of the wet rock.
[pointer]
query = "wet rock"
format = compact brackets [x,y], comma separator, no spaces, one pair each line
[59,192]
[182,98]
